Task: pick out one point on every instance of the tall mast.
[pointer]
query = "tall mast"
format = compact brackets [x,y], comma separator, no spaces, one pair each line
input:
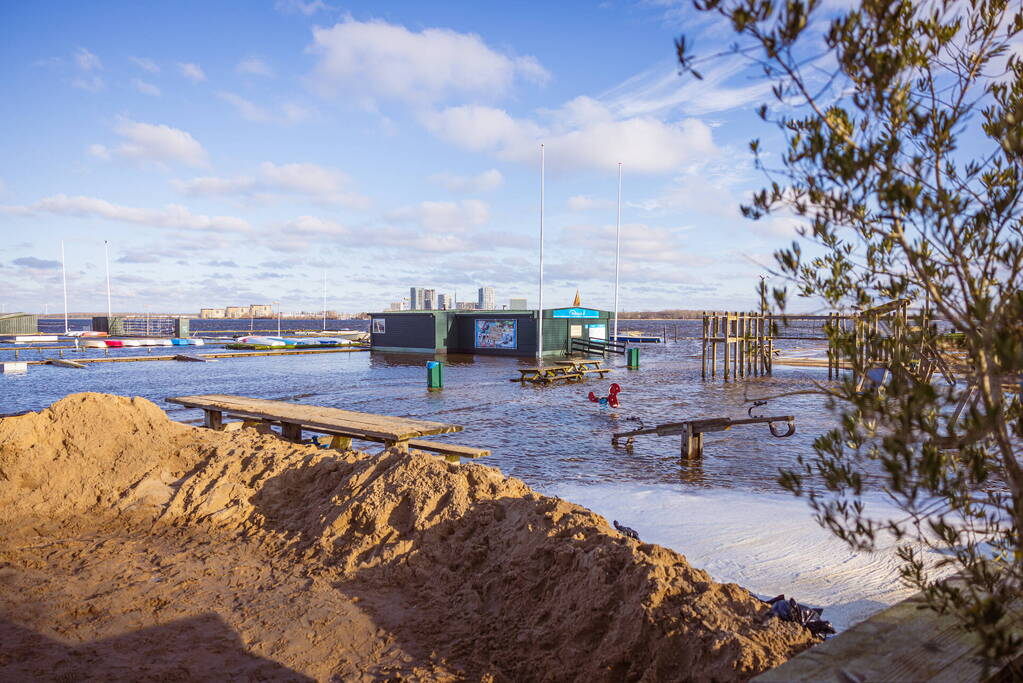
[539,319]
[63,275]
[324,300]
[618,247]
[106,254]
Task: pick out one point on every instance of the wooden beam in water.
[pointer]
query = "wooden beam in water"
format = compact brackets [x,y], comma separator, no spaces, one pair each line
[210,356]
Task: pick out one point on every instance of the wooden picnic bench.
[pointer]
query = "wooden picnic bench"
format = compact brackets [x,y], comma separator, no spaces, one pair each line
[342,425]
[586,367]
[547,374]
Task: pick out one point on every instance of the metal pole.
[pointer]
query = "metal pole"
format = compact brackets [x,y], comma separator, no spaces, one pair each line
[539,319]
[618,247]
[324,301]
[63,275]
[278,317]
[106,254]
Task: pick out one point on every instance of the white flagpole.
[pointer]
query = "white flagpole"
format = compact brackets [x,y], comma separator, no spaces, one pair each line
[618,246]
[324,301]
[539,320]
[63,275]
[106,254]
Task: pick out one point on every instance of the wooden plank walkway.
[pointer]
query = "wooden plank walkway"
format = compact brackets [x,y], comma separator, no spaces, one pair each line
[398,432]
[206,356]
[901,643]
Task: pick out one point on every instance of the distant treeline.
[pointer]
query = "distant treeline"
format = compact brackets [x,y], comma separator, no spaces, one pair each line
[672,314]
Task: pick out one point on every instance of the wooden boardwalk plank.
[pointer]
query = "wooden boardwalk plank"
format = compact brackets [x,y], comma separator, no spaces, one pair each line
[901,643]
[375,427]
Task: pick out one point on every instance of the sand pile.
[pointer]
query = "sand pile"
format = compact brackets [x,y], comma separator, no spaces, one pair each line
[303,562]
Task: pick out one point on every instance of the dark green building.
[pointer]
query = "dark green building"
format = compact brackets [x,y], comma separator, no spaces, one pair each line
[496,333]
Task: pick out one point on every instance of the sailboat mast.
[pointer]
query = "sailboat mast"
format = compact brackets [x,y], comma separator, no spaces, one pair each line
[324,301]
[106,254]
[539,319]
[618,247]
[63,275]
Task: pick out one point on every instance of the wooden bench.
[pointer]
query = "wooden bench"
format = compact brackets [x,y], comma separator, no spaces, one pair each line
[341,425]
[547,374]
[586,367]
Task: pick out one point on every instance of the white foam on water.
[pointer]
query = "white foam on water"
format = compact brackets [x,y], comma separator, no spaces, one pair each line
[767,543]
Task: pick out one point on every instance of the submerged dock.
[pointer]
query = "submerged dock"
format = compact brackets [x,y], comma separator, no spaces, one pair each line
[206,356]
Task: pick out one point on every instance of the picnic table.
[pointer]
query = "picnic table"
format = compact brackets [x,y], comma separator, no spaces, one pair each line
[562,370]
[547,374]
[342,425]
[586,367]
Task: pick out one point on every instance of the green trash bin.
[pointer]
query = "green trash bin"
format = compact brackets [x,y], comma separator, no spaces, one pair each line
[434,375]
[632,357]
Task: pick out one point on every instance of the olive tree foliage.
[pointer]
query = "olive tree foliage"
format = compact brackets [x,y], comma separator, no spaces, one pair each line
[903,156]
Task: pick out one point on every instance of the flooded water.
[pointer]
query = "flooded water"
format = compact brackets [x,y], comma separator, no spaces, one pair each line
[544,435]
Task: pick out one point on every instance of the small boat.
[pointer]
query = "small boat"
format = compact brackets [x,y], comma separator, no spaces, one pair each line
[263,341]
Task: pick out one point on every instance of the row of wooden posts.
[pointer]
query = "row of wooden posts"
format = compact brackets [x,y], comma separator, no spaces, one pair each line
[747,344]
[747,339]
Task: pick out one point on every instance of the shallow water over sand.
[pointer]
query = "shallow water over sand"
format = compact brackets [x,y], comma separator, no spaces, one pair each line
[545,435]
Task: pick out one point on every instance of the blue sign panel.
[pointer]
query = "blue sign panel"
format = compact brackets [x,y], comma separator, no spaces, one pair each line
[575,313]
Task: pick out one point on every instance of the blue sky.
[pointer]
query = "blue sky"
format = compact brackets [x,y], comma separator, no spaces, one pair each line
[230,153]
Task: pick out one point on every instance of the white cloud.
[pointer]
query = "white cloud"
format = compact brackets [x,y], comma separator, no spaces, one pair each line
[170,216]
[315,226]
[90,83]
[321,184]
[192,71]
[156,143]
[146,64]
[487,181]
[248,110]
[375,59]
[99,152]
[443,217]
[254,66]
[145,88]
[582,202]
[581,134]
[289,113]
[306,7]
[86,61]
[661,90]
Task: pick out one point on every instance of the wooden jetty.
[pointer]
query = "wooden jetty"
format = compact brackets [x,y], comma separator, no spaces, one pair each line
[692,431]
[905,642]
[344,425]
[208,356]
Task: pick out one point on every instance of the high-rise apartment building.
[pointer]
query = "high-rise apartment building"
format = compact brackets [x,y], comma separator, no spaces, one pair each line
[444,302]
[487,299]
[430,299]
[416,298]
[518,304]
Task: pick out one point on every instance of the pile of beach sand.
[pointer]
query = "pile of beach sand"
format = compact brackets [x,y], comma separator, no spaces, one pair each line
[132,547]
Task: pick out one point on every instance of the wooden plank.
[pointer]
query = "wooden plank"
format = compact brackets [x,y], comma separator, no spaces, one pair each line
[901,643]
[449,448]
[66,363]
[345,422]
